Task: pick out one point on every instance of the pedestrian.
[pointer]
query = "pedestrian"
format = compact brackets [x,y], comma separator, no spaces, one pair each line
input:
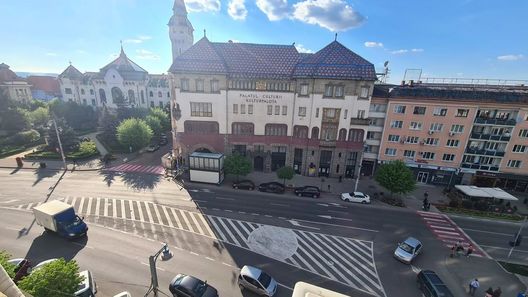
[489,292]
[459,248]
[473,286]
[521,294]
[328,188]
[426,195]
[425,203]
[497,292]
[469,251]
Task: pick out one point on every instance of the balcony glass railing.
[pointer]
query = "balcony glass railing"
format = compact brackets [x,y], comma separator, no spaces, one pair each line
[480,167]
[500,122]
[475,135]
[478,151]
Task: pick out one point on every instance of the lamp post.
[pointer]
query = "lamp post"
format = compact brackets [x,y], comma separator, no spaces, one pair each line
[165,255]
[59,140]
[359,168]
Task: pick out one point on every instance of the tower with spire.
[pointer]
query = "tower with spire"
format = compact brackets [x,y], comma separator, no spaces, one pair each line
[180,29]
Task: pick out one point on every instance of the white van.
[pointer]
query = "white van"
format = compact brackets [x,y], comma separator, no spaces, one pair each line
[87,287]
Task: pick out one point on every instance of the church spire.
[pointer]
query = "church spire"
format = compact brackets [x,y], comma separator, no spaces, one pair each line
[122,51]
[180,29]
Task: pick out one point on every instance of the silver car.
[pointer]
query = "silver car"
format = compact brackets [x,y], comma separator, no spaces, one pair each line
[408,250]
[257,281]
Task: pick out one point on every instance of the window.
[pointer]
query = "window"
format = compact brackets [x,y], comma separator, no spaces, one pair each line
[151,94]
[93,102]
[416,126]
[277,109]
[361,114]
[300,131]
[514,163]
[302,111]
[523,133]
[84,101]
[428,155]
[346,113]
[431,141]
[392,138]
[339,91]
[519,148]
[356,135]
[91,91]
[243,128]
[342,134]
[364,92]
[419,110]
[199,85]
[235,108]
[242,109]
[201,109]
[184,85]
[412,139]
[371,135]
[200,127]
[317,112]
[160,94]
[142,97]
[68,91]
[152,104]
[82,91]
[168,94]
[131,96]
[397,124]
[452,142]
[329,91]
[448,157]
[214,86]
[161,104]
[304,90]
[250,108]
[284,110]
[390,151]
[276,130]
[329,113]
[440,111]
[457,128]
[409,154]
[462,113]
[315,133]
[270,109]
[436,127]
[399,108]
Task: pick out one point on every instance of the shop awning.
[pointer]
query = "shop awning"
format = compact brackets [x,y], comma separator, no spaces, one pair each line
[493,193]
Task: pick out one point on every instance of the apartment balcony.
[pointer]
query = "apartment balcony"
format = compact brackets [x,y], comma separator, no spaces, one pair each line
[327,143]
[476,151]
[496,122]
[494,168]
[377,114]
[490,137]
[360,122]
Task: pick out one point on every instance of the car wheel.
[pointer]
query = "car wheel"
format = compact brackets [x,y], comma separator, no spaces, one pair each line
[251,188]
[236,187]
[315,196]
[363,202]
[300,195]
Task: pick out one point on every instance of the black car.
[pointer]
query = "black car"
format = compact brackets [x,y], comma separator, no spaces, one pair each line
[431,285]
[185,285]
[272,187]
[308,191]
[244,184]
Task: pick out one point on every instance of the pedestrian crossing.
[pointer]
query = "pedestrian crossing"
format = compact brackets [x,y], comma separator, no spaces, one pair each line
[345,260]
[137,168]
[447,231]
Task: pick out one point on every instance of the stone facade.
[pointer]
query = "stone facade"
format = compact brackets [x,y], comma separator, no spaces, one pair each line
[14,87]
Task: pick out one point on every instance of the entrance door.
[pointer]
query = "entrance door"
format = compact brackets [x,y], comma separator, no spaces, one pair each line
[349,171]
[278,160]
[422,177]
[258,163]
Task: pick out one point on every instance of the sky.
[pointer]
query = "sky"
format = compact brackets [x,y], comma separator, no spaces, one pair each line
[442,38]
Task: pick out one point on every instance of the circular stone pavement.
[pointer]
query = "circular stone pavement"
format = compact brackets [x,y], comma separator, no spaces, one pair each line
[274,242]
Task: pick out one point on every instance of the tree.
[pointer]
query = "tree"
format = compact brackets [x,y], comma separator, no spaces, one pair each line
[237,165]
[134,133]
[13,120]
[154,124]
[39,117]
[58,278]
[108,124]
[67,136]
[285,173]
[124,113]
[163,116]
[79,117]
[10,268]
[396,177]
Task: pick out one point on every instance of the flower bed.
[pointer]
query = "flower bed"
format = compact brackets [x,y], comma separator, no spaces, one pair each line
[482,214]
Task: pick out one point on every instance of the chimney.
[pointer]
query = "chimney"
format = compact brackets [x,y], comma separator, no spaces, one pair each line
[411,83]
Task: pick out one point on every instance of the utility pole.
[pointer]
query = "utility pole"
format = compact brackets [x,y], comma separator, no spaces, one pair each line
[359,170]
[59,140]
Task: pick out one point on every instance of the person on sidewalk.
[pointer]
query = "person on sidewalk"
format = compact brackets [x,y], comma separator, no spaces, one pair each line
[469,251]
[489,292]
[473,286]
[521,294]
[497,292]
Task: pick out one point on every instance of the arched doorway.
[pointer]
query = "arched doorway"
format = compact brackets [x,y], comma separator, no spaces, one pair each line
[117,96]
[258,163]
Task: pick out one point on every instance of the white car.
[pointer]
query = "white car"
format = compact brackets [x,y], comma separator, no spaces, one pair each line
[42,264]
[257,281]
[357,197]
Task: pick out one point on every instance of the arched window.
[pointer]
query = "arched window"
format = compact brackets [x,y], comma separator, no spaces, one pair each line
[315,133]
[142,97]
[131,96]
[102,96]
[151,94]
[117,96]
[300,131]
[243,129]
[342,134]
[168,94]
[159,94]
[355,135]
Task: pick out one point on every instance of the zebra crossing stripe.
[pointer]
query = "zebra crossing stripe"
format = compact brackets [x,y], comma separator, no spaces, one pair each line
[244,237]
[176,219]
[97,206]
[89,205]
[140,211]
[105,211]
[228,231]
[158,216]
[205,222]
[66,199]
[303,260]
[149,214]
[169,221]
[186,220]
[81,205]
[217,229]
[131,205]
[20,206]
[362,248]
[73,201]
[114,207]
[192,215]
[29,206]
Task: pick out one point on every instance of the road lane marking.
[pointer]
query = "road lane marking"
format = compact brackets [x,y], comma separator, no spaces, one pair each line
[149,214]
[284,286]
[435,220]
[156,211]
[205,222]
[442,227]
[29,206]
[81,205]
[200,230]
[105,211]
[224,198]
[97,206]
[169,221]
[114,208]
[502,248]
[189,226]
[89,205]
[140,211]
[279,204]
[178,223]
[123,210]
[446,232]
[73,201]
[217,229]
[132,214]
[489,232]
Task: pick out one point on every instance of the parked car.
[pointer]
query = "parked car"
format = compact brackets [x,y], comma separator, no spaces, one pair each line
[22,268]
[123,294]
[407,250]
[163,141]
[431,285]
[152,148]
[357,197]
[244,184]
[272,187]
[87,287]
[42,264]
[189,286]
[308,191]
[257,281]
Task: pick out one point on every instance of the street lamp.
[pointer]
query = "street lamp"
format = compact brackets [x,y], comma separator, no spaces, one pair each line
[359,168]
[165,255]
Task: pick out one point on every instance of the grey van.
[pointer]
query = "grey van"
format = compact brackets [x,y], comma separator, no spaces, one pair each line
[431,285]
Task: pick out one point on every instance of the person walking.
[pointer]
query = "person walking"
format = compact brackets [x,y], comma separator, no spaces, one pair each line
[469,251]
[473,286]
[489,292]
[497,292]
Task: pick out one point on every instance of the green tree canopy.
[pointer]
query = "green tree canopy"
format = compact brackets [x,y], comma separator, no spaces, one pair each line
[163,116]
[10,268]
[124,113]
[58,278]
[396,177]
[134,133]
[237,165]
[67,136]
[285,173]
[108,124]
[13,119]
[79,117]
[39,117]
[154,124]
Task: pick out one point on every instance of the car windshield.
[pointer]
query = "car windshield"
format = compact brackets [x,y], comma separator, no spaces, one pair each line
[76,221]
[264,279]
[200,288]
[406,247]
[357,195]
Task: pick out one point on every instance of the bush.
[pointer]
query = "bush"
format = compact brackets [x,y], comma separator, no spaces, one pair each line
[481,205]
[454,203]
[23,137]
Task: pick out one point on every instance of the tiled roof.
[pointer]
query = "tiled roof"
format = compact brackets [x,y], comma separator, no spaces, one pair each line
[7,74]
[71,73]
[48,84]
[247,60]
[126,68]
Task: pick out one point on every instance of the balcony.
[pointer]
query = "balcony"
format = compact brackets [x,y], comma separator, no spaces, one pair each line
[480,167]
[361,122]
[490,137]
[327,143]
[498,122]
[477,151]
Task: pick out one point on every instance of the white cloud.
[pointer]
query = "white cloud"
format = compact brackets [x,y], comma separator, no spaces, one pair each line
[51,54]
[274,9]
[417,50]
[400,51]
[237,10]
[301,49]
[334,15]
[146,55]
[138,39]
[404,51]
[202,5]
[510,57]
[373,44]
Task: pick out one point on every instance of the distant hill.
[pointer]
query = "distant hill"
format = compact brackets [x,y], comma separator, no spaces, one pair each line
[26,74]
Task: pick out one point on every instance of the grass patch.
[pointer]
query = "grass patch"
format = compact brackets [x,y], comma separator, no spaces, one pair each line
[482,214]
[515,268]
[86,150]
[9,150]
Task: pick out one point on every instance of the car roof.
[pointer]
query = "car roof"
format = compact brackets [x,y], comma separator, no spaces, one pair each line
[412,241]
[359,193]
[251,271]
[190,282]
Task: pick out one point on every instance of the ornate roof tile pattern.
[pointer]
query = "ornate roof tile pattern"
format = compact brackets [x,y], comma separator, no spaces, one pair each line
[71,72]
[246,60]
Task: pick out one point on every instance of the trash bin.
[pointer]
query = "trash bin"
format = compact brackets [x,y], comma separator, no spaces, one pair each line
[19,162]
[42,165]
